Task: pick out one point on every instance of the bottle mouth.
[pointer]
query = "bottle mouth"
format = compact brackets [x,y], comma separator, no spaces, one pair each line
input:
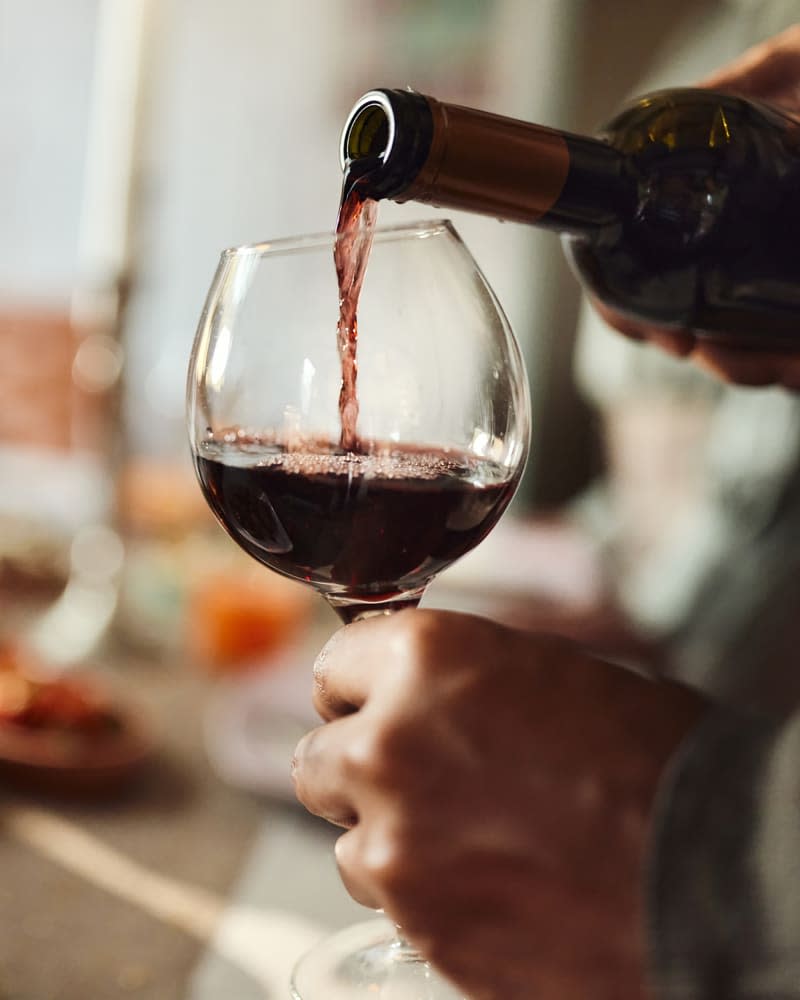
[386,140]
[369,131]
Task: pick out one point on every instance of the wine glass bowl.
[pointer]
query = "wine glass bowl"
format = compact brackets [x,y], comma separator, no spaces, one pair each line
[442,424]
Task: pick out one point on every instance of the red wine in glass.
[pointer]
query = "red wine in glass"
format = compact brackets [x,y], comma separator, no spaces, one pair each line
[363,529]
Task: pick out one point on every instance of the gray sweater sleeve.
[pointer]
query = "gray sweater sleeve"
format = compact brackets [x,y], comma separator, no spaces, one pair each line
[724,888]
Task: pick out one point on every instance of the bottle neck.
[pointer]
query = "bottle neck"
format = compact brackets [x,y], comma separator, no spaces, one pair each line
[420,149]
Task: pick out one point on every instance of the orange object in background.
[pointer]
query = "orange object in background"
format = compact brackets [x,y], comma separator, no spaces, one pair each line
[236,620]
[160,499]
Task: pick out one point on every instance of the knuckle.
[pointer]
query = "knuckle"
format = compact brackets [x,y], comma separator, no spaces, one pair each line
[418,642]
[348,861]
[432,638]
[386,861]
[370,755]
[424,629]
[792,35]
[376,861]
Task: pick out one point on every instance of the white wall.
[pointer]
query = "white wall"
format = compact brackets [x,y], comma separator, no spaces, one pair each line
[46,51]
[246,101]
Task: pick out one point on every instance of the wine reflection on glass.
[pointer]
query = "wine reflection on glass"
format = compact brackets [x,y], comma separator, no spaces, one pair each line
[435,451]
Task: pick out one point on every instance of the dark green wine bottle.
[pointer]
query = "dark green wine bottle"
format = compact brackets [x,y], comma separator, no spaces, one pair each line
[683,213]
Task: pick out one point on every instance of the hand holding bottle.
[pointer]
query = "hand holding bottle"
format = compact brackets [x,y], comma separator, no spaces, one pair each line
[496,787]
[680,218]
[767,72]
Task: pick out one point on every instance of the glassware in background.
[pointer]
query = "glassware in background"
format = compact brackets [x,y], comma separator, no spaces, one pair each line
[186,591]
[60,556]
[167,543]
[441,439]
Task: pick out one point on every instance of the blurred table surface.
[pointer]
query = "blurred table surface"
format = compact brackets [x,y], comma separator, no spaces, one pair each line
[188,888]
[181,888]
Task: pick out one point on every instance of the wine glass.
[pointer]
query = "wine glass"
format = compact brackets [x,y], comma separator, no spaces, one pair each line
[441,437]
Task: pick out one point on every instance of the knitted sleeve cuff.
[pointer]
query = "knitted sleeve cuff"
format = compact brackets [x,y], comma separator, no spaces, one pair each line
[724,880]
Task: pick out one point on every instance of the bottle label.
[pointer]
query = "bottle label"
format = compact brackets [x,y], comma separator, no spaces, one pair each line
[492,165]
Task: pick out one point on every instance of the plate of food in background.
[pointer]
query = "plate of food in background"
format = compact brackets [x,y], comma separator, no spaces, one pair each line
[64,733]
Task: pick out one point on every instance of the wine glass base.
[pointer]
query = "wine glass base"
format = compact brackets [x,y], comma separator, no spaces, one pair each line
[368,960]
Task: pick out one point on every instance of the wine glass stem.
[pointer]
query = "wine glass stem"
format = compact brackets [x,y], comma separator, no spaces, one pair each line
[407,952]
[356,612]
[350,610]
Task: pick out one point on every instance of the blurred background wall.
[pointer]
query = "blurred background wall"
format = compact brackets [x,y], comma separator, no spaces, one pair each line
[237,141]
